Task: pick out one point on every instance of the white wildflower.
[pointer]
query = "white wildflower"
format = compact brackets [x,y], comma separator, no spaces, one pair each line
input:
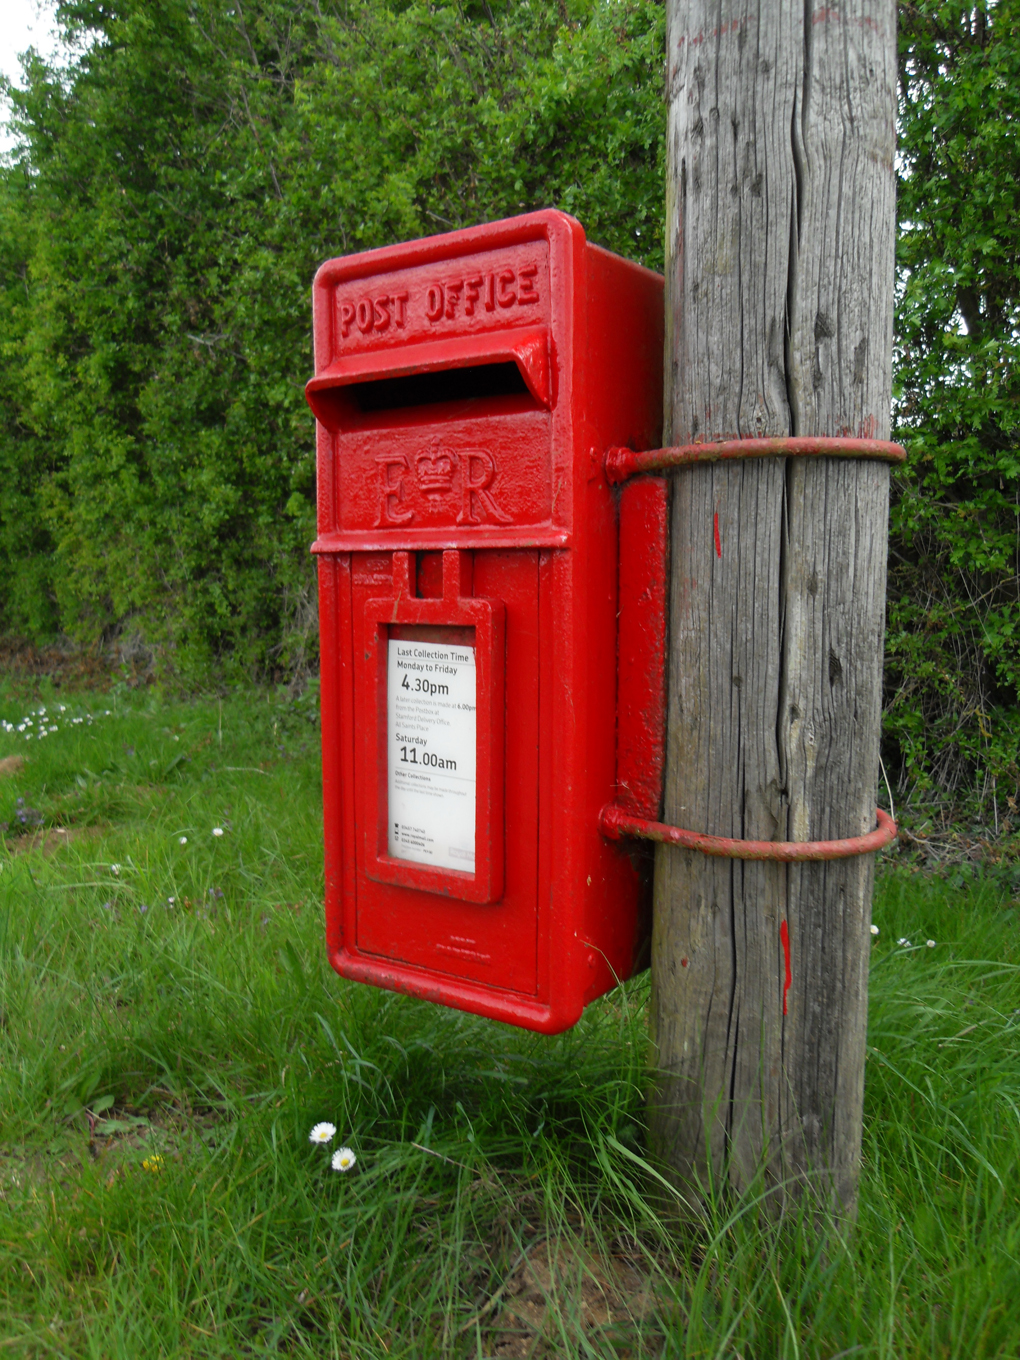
[874,930]
[930,944]
[217,831]
[182,840]
[322,1133]
[343,1159]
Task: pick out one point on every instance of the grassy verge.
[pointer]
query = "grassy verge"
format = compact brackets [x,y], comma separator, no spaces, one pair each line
[169,1034]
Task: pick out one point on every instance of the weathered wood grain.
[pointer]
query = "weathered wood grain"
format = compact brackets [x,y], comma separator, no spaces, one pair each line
[780,232]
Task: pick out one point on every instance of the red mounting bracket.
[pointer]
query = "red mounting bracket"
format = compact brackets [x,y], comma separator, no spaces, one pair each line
[623,463]
[642,646]
[615,823]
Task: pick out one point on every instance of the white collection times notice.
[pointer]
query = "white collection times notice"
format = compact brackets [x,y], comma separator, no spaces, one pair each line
[431,750]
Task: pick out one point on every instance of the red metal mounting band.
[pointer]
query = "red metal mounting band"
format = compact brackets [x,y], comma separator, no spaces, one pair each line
[623,463]
[616,823]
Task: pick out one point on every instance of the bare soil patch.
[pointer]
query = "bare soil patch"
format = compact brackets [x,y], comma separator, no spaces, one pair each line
[10,766]
[51,839]
[66,667]
[608,1297]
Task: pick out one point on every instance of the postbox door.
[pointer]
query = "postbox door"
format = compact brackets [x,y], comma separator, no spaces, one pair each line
[493,942]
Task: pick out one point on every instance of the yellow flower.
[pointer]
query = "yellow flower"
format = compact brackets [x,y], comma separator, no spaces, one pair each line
[153,1163]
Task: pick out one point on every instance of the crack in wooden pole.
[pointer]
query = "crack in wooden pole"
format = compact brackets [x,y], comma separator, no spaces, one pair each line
[780,237]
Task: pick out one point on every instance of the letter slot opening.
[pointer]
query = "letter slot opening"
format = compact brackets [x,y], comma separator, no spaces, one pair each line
[448,384]
[512,367]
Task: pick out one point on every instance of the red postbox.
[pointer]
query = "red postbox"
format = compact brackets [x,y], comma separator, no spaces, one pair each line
[466,389]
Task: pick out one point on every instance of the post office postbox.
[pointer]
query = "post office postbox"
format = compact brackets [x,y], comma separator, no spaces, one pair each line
[466,389]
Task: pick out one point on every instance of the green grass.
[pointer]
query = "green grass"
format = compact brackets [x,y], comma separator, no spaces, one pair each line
[500,1187]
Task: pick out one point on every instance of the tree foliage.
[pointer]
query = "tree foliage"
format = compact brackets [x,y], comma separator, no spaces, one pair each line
[954,634]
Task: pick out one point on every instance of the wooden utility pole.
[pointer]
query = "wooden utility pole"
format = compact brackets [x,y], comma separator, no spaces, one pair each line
[780,237]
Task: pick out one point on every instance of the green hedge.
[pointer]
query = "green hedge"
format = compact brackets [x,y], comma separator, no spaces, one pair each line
[953,660]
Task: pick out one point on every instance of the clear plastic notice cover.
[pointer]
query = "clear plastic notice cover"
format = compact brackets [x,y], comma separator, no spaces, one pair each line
[431,748]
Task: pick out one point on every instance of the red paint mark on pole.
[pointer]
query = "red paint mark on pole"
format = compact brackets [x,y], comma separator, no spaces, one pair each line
[718,545]
[784,935]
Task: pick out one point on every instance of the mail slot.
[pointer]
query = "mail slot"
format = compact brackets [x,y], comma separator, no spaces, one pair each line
[466,388]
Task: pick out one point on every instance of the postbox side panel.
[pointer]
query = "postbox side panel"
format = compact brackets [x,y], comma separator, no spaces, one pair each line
[625,339]
[595,886]
[494,943]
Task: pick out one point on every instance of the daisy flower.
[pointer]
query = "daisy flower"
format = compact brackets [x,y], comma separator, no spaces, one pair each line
[874,930]
[217,831]
[322,1133]
[343,1159]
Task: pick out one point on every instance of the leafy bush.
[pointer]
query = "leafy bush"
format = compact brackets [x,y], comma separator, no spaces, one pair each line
[953,661]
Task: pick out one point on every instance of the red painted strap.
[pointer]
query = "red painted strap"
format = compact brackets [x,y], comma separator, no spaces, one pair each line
[615,823]
[624,463]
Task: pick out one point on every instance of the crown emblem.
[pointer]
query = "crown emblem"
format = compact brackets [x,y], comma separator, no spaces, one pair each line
[435,468]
